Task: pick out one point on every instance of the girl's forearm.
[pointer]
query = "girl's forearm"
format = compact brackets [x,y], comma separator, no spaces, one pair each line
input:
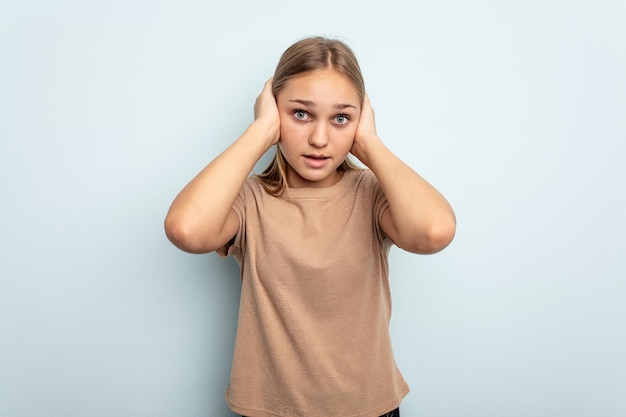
[422,219]
[199,212]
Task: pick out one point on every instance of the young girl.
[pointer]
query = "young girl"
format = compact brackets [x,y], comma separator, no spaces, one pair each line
[311,235]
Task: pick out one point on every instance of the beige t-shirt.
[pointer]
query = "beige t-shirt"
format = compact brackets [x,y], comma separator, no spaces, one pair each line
[313,333]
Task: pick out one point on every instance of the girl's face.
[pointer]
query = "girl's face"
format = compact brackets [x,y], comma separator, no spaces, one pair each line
[319,114]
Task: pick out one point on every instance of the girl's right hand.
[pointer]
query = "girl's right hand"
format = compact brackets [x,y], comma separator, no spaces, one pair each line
[266,111]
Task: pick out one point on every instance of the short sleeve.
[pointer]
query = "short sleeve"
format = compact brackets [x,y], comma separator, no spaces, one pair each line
[234,246]
[379,205]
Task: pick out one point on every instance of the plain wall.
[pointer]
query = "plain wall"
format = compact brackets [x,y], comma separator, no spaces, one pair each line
[515,110]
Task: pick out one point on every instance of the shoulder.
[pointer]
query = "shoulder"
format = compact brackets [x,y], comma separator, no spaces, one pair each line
[358,177]
[368,177]
[252,186]
[363,180]
[249,195]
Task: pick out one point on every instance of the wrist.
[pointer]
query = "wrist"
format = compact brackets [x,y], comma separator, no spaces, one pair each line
[266,131]
[367,147]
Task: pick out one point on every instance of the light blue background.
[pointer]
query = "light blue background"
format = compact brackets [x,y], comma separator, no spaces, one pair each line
[515,110]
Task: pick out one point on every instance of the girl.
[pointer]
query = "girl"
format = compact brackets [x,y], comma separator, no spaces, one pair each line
[311,235]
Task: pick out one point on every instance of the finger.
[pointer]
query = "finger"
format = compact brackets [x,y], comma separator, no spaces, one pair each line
[267,89]
[366,102]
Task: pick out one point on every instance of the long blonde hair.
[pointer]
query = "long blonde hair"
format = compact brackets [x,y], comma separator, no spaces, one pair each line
[304,56]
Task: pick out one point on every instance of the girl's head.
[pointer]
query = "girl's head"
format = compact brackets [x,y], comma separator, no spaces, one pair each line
[302,63]
[318,53]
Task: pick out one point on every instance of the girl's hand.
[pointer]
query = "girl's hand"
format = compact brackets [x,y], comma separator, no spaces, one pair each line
[266,111]
[365,132]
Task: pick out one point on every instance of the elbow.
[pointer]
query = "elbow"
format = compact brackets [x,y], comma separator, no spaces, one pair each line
[182,235]
[177,232]
[441,236]
[436,238]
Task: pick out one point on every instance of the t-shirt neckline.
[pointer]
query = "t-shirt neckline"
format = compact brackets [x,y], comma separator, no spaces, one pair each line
[321,192]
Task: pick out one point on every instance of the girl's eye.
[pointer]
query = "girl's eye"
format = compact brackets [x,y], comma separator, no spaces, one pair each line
[342,119]
[300,114]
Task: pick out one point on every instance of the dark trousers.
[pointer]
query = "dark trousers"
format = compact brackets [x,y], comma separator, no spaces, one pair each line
[394,413]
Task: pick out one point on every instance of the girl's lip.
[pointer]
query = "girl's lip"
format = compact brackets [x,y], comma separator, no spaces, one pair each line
[316,161]
[316,156]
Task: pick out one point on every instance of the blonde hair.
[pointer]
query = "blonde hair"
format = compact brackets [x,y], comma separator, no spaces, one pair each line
[306,55]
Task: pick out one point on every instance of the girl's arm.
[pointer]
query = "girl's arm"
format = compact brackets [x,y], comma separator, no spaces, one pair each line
[419,219]
[201,218]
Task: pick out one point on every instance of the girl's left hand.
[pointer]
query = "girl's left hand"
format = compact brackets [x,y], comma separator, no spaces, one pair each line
[365,131]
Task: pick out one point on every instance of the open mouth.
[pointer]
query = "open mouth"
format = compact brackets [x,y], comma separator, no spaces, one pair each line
[316,161]
[317,157]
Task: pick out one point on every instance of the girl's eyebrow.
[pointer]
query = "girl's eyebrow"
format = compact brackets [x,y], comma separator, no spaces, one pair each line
[309,103]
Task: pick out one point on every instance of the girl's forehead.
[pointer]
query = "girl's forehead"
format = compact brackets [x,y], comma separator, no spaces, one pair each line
[321,75]
[321,83]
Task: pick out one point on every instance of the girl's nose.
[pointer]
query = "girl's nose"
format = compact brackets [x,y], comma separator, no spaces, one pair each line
[319,136]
